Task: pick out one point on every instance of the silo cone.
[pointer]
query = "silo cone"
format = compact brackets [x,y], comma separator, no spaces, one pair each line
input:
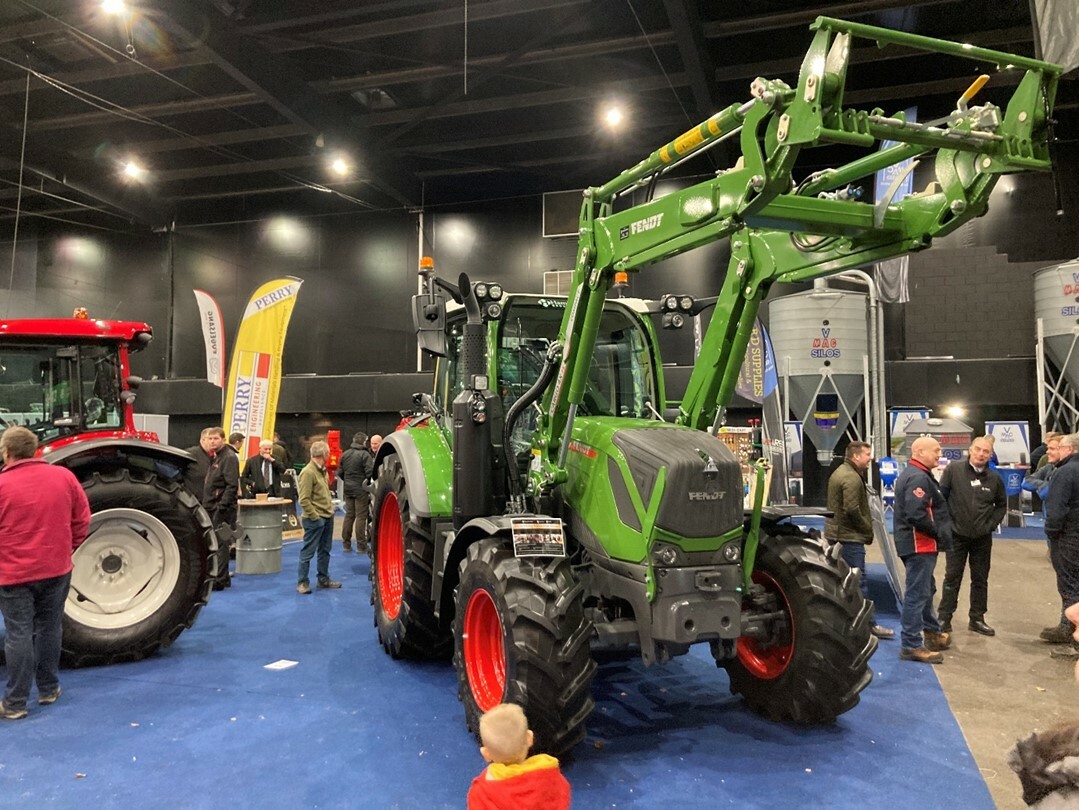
[820,339]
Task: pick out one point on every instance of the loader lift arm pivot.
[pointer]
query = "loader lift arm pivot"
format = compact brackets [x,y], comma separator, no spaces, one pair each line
[780,230]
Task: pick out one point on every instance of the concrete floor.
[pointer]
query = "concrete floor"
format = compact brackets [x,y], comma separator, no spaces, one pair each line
[1003,688]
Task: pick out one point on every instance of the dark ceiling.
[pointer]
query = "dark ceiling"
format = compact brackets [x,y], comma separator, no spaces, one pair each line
[237,106]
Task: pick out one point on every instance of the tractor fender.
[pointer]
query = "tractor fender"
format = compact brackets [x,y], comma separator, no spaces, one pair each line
[427,464]
[82,458]
[448,574]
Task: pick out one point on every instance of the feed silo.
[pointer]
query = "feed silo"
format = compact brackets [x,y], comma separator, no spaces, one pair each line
[821,343]
[1056,308]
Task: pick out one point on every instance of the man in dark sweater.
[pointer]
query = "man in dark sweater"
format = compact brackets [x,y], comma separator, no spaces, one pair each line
[1062,529]
[977,503]
[355,470]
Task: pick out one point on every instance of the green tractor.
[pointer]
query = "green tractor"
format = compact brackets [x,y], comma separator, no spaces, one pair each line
[546,508]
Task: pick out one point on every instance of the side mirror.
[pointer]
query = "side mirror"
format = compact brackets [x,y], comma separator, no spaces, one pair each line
[429,320]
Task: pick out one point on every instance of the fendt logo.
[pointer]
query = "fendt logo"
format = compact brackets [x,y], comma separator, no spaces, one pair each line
[640,226]
[717,495]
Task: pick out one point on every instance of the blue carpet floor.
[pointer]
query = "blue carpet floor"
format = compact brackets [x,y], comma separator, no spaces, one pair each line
[204,724]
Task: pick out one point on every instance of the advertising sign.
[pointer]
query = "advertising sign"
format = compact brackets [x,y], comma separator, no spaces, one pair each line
[757,377]
[255,371]
[1012,444]
[213,335]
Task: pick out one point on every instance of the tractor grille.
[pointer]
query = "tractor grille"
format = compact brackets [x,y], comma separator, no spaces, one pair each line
[698,501]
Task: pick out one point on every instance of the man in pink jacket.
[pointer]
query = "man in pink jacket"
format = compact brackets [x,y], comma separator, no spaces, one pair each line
[44,516]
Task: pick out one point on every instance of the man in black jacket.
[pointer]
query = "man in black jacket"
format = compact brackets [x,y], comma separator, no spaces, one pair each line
[977,503]
[262,473]
[1062,529]
[355,470]
[195,477]
[222,481]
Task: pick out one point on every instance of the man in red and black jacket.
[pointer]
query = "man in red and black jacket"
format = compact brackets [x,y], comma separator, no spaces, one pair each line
[922,530]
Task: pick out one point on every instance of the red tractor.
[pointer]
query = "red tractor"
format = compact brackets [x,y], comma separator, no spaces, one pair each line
[147,566]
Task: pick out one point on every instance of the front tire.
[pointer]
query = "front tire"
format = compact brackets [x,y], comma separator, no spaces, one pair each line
[520,636]
[143,573]
[817,669]
[402,566]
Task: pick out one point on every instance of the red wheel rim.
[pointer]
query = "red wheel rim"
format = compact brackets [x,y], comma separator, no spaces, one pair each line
[767,663]
[485,660]
[390,557]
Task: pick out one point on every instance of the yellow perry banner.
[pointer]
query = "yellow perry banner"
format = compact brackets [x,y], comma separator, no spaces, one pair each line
[255,370]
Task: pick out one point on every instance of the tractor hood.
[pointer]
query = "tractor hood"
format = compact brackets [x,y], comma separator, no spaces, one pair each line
[658,479]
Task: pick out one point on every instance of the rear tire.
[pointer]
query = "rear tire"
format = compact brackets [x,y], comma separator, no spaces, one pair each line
[143,573]
[820,669]
[521,636]
[402,564]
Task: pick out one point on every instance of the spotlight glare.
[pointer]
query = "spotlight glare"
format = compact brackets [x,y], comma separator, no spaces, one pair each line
[613,116]
[134,170]
[113,6]
[340,167]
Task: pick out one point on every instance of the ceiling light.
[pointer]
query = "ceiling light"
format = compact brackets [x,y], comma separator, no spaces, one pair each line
[133,170]
[955,411]
[340,167]
[113,6]
[613,117]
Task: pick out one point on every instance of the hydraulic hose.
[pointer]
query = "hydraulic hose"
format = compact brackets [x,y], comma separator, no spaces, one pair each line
[550,366]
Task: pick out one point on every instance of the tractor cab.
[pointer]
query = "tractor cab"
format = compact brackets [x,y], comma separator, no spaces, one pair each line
[66,379]
[624,378]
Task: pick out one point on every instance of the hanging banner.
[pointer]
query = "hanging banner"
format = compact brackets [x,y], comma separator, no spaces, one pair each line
[1055,22]
[892,275]
[255,371]
[213,336]
[1012,441]
[757,378]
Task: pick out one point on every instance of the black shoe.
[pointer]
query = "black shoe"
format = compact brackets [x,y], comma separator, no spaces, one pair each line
[1061,634]
[945,624]
[978,626]
[328,584]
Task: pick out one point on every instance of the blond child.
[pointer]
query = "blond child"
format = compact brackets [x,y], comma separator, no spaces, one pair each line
[514,779]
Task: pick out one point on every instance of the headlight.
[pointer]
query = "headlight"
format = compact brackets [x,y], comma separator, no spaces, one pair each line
[671,303]
[494,292]
[686,303]
[494,311]
[731,552]
[481,290]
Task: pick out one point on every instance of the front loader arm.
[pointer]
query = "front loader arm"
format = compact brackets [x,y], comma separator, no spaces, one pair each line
[782,231]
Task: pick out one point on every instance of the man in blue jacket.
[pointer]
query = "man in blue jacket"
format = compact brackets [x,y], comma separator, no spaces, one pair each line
[922,530]
[1062,529]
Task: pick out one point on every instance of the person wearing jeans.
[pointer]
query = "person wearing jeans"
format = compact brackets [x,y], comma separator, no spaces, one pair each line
[1062,529]
[922,529]
[317,504]
[851,523]
[44,517]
